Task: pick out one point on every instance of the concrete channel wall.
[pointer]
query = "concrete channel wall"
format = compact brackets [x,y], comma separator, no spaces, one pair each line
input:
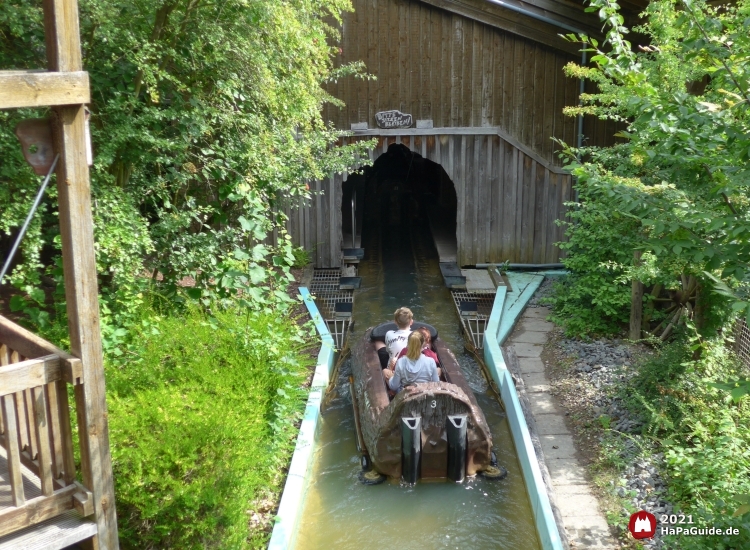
[499,326]
[502,320]
[297,481]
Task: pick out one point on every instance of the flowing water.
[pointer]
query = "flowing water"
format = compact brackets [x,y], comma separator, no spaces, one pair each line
[401,269]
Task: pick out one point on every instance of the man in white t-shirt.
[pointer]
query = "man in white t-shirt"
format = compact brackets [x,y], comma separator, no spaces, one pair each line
[395,340]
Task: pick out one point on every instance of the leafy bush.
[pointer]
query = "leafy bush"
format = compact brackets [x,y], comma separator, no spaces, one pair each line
[199,418]
[205,124]
[681,173]
[301,257]
[593,299]
[704,436]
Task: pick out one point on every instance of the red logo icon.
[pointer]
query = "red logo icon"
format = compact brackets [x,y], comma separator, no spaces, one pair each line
[642,525]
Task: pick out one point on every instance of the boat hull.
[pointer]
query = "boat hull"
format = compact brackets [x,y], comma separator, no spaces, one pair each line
[380,419]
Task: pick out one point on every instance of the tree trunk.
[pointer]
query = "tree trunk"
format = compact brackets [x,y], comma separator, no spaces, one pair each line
[636,302]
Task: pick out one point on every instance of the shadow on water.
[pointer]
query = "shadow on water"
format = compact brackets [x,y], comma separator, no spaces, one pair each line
[342,513]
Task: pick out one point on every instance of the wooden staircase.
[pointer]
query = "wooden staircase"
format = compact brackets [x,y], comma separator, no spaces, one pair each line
[42,502]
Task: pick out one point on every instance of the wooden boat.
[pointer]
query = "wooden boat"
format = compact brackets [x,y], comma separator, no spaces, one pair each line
[431,430]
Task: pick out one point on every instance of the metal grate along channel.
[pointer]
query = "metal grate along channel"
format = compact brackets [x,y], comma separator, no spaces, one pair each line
[742,341]
[474,310]
[325,287]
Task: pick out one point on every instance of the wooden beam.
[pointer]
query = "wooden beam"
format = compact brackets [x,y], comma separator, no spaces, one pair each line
[83,501]
[13,451]
[567,13]
[30,345]
[37,510]
[518,23]
[33,464]
[28,374]
[40,89]
[466,131]
[26,342]
[79,266]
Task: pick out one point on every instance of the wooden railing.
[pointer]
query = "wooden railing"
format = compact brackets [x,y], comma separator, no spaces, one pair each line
[35,429]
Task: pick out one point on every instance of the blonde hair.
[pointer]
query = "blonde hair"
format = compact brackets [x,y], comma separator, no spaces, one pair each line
[414,345]
[403,317]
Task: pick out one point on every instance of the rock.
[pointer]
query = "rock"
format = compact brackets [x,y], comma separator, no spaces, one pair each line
[600,369]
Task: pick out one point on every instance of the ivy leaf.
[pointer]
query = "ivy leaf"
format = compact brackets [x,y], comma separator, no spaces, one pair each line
[259,252]
[194,293]
[246,224]
[739,393]
[736,388]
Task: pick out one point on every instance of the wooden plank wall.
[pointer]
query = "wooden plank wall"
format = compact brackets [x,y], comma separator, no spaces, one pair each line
[507,201]
[315,224]
[458,72]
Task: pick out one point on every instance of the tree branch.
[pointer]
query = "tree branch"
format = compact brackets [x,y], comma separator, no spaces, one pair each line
[726,67]
[162,15]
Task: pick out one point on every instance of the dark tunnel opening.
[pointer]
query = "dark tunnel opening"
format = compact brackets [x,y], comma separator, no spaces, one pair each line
[400,193]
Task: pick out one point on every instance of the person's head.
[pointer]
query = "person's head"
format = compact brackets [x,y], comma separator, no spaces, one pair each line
[414,345]
[425,332]
[403,317]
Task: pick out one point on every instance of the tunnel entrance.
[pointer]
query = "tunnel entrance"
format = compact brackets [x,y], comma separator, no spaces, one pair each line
[398,201]
[400,193]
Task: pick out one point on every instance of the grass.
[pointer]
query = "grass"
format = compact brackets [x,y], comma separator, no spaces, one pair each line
[201,425]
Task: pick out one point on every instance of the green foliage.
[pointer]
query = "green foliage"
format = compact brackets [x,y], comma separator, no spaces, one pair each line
[704,435]
[682,174]
[592,299]
[205,124]
[301,257]
[202,413]
[605,421]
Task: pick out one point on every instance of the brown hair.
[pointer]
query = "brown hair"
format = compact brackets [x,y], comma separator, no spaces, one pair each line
[403,317]
[414,345]
[426,334]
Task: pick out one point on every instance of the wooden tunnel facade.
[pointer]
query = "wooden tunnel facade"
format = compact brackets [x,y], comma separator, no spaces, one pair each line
[492,84]
[508,198]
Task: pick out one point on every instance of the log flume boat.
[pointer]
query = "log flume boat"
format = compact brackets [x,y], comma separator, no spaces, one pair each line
[427,431]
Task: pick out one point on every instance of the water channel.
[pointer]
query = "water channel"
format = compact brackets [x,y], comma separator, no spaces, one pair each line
[401,269]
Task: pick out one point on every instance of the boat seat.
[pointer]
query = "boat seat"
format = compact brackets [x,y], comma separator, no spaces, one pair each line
[378,333]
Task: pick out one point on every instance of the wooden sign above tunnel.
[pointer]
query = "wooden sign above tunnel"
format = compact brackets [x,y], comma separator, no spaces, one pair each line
[393,119]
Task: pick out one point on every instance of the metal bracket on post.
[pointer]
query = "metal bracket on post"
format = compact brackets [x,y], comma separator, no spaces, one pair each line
[411,448]
[456,431]
[30,216]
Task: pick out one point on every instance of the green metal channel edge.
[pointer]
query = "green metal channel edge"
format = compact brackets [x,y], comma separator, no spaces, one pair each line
[499,326]
[506,310]
[290,507]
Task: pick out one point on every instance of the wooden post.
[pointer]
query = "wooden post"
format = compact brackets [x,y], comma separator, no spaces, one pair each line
[81,293]
[636,302]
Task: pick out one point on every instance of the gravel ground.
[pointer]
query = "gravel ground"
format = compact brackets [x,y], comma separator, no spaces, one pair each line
[588,389]
[544,290]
